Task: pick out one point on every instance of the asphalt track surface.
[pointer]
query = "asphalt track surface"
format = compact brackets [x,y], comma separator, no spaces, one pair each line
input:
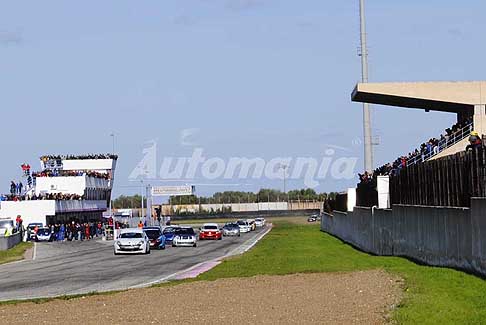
[69,268]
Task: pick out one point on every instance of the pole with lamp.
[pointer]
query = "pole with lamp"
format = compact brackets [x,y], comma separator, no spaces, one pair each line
[112,135]
[141,212]
[284,168]
[368,144]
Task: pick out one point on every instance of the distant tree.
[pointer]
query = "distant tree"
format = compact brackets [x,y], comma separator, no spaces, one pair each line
[264,195]
[127,202]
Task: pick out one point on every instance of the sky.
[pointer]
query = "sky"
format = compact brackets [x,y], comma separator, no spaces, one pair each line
[237,78]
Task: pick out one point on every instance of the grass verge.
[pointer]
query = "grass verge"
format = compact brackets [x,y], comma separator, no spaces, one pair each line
[15,253]
[432,295]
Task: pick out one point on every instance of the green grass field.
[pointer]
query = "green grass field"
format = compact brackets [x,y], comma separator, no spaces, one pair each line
[432,295]
[14,254]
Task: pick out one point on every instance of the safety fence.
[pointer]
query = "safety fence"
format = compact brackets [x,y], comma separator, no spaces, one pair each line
[450,181]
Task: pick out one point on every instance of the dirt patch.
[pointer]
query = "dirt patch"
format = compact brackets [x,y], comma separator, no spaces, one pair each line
[358,298]
[29,253]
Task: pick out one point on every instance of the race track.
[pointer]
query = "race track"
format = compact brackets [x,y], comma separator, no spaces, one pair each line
[69,268]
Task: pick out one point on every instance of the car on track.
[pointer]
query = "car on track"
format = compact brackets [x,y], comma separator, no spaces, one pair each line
[132,241]
[312,218]
[260,222]
[31,229]
[210,231]
[252,224]
[43,234]
[231,229]
[169,233]
[156,237]
[184,236]
[244,226]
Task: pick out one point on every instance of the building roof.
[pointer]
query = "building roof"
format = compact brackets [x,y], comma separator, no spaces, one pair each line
[454,97]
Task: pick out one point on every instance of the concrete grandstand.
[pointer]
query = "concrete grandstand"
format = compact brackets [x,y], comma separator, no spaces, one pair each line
[467,99]
[68,189]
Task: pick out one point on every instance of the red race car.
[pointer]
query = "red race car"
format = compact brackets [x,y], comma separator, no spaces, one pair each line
[210,231]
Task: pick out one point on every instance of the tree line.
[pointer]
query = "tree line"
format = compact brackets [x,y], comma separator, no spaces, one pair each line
[264,195]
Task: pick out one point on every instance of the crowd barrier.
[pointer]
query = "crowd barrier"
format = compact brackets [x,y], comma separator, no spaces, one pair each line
[10,241]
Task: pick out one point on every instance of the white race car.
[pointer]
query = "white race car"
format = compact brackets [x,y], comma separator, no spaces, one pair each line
[43,234]
[260,222]
[184,236]
[244,226]
[132,241]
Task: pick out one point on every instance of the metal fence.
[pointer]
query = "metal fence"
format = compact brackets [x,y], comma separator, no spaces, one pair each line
[450,181]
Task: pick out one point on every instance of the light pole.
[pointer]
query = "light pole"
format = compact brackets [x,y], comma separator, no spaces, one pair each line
[148,209]
[284,168]
[368,145]
[141,212]
[112,135]
[111,189]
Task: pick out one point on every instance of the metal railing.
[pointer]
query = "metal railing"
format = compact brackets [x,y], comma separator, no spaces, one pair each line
[445,143]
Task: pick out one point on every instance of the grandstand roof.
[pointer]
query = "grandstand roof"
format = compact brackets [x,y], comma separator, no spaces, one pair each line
[451,97]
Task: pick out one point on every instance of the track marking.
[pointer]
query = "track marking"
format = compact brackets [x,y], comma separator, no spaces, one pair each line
[34,254]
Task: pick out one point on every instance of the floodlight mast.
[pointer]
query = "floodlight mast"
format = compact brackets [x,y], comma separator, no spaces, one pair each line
[368,145]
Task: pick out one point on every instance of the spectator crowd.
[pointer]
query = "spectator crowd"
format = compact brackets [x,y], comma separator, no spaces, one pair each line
[426,150]
[42,196]
[64,173]
[79,157]
[70,231]
[79,231]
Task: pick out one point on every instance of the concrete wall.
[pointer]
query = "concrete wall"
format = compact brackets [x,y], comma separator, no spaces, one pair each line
[10,241]
[69,184]
[31,211]
[440,236]
[242,207]
[89,164]
[247,215]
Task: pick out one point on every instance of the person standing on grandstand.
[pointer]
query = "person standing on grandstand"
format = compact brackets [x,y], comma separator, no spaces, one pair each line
[13,188]
[19,188]
[474,141]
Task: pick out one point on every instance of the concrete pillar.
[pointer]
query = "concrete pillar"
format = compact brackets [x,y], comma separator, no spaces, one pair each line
[383,189]
[351,199]
[480,119]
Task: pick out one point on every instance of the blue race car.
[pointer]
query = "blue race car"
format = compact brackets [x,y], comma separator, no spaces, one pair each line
[156,237]
[169,234]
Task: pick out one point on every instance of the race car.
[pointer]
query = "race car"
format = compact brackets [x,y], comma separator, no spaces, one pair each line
[210,231]
[156,237]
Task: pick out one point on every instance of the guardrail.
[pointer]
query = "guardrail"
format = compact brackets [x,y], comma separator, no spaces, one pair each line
[443,145]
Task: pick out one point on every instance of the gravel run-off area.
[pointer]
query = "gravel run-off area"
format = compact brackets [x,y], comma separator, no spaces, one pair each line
[366,297]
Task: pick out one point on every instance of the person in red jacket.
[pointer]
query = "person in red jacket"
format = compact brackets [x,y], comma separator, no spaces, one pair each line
[86,231]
